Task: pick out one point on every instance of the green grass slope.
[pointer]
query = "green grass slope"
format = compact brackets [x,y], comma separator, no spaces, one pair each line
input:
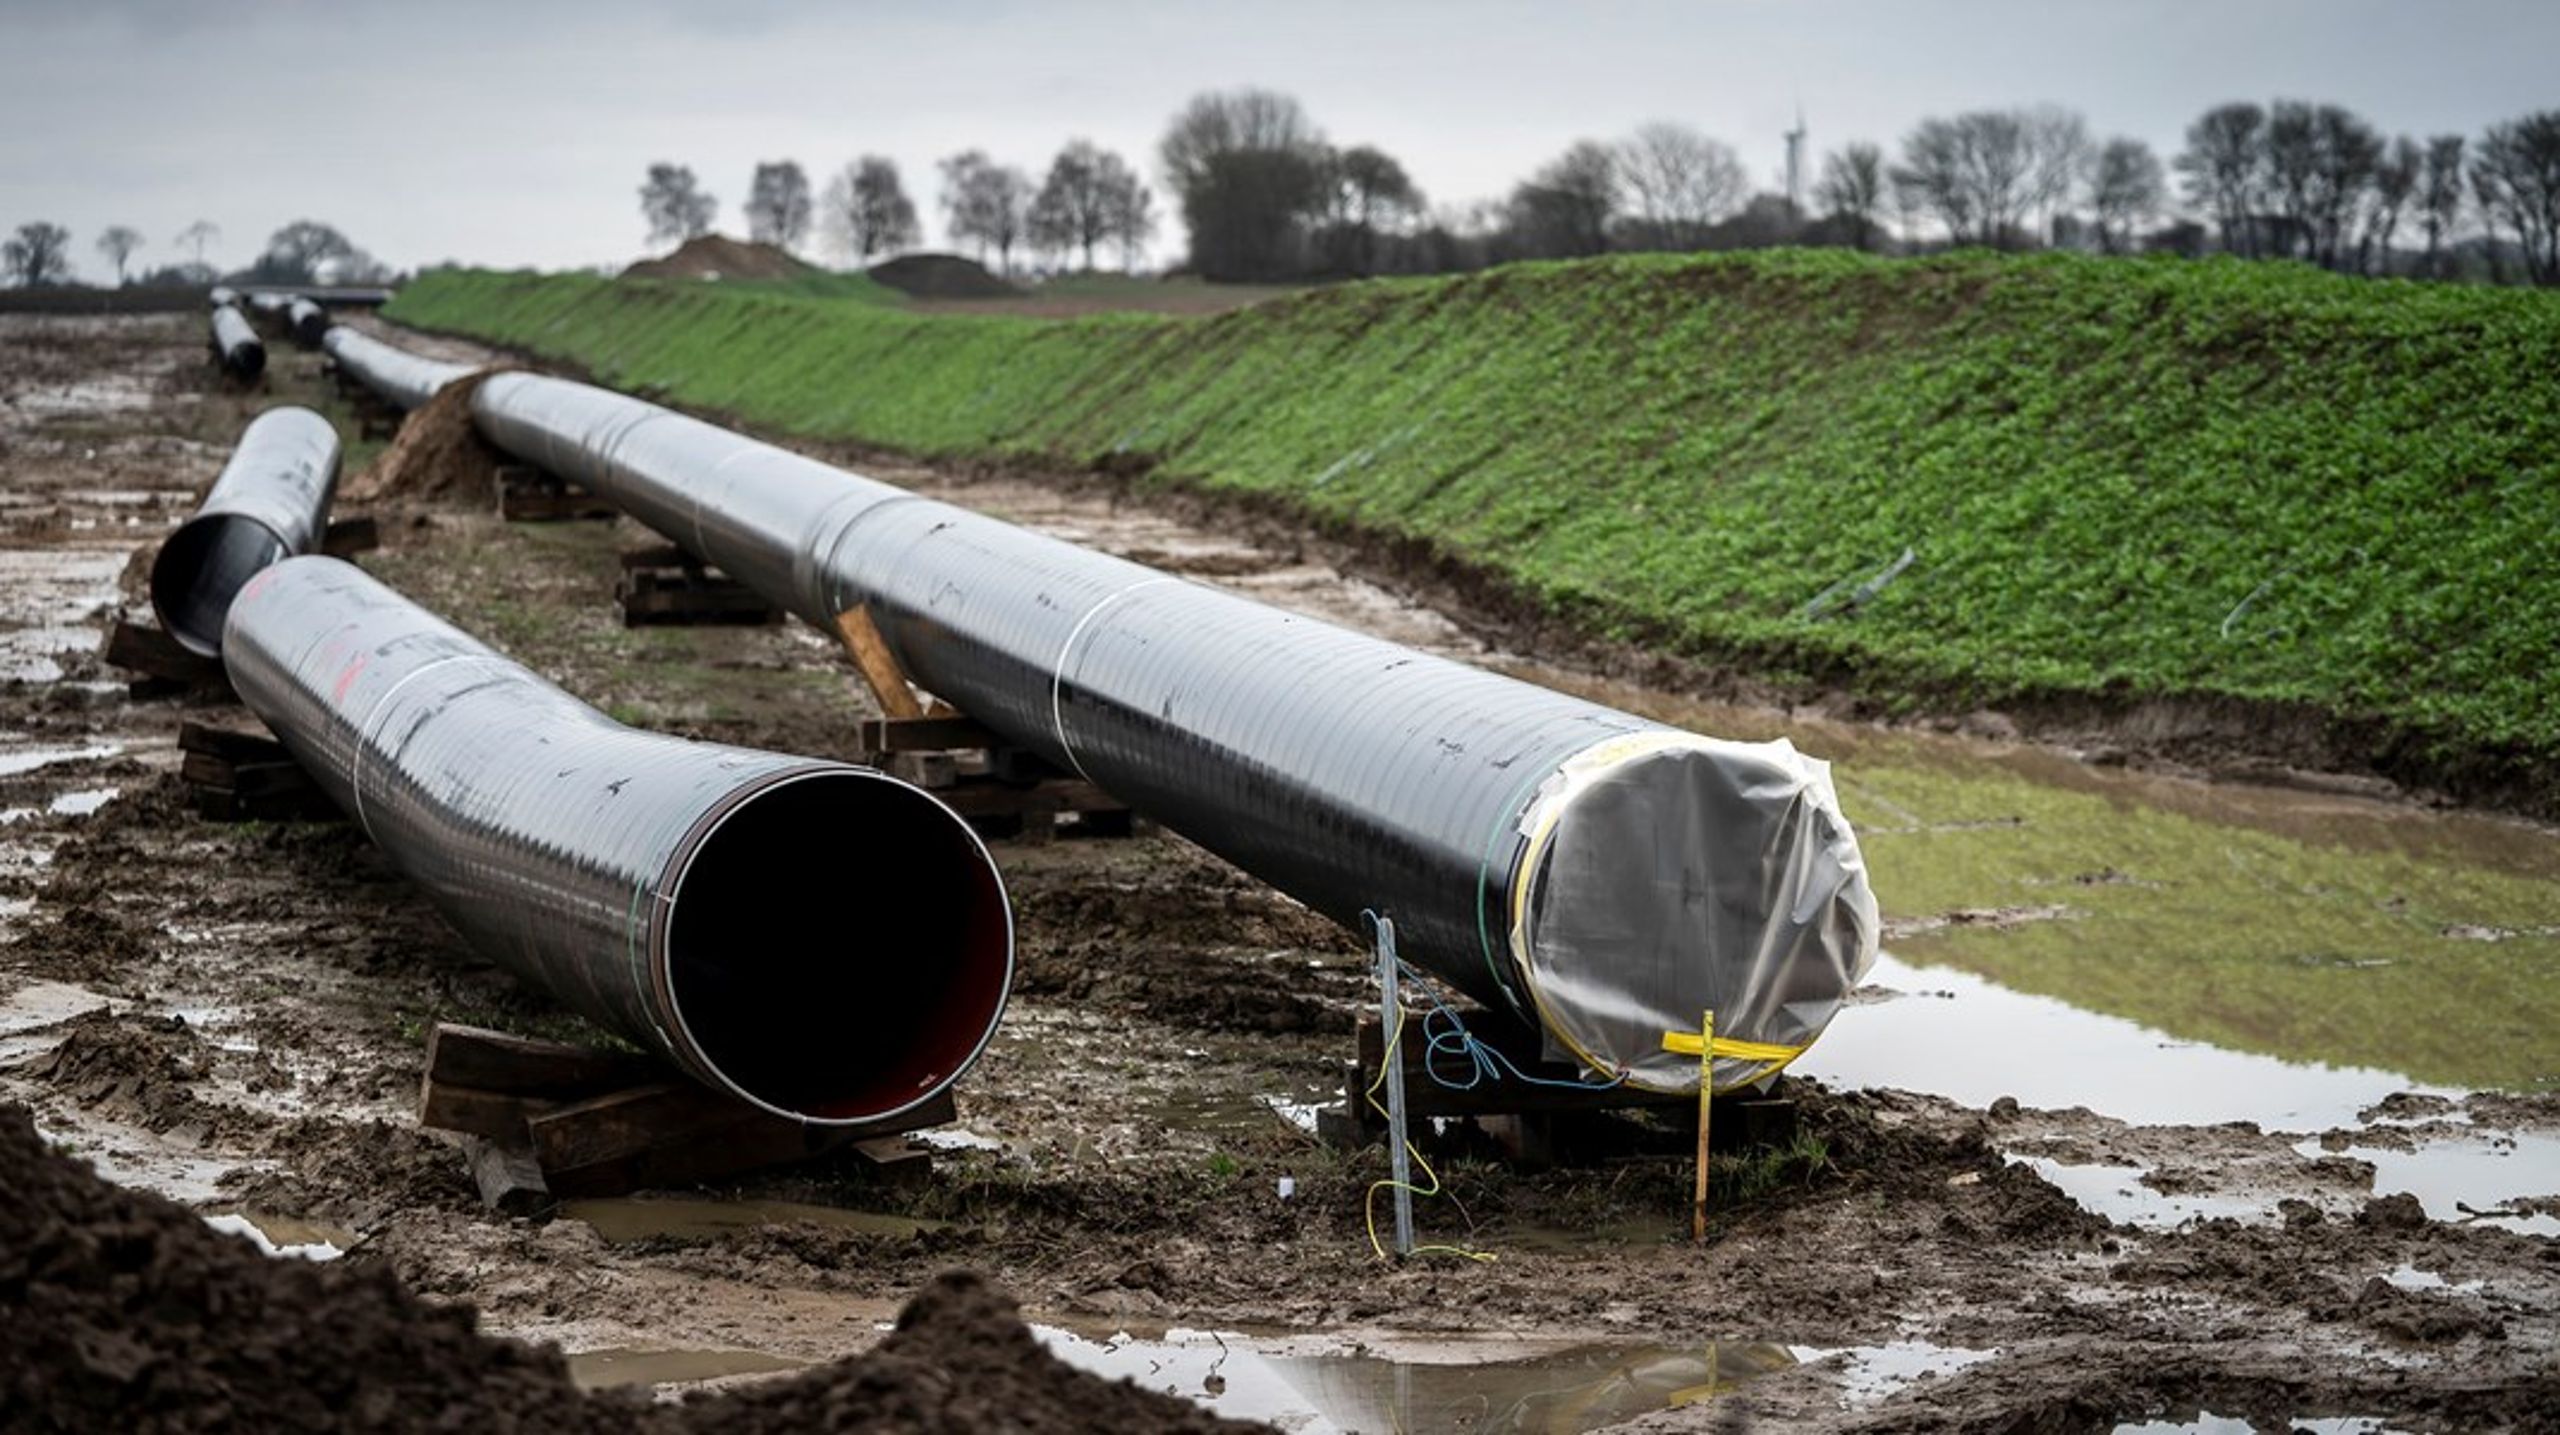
[2242,483]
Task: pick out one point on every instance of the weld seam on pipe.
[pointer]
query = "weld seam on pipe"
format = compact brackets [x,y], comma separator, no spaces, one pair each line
[1058,670]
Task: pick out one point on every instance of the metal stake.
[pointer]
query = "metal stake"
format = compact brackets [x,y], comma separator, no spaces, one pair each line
[1399,1153]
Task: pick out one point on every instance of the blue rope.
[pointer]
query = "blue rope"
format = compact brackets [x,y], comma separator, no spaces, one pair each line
[1445,1035]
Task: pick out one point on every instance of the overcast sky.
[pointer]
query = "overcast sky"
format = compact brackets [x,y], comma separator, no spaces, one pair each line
[517,133]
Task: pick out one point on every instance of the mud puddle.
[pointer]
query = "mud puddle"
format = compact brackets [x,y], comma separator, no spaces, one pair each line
[622,1220]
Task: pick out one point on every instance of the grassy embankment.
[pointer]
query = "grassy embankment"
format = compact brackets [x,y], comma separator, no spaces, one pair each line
[2307,502]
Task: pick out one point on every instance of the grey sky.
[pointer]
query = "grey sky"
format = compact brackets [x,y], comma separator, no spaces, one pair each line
[517,133]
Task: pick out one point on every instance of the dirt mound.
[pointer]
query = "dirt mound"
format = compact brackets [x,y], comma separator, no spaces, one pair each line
[437,454]
[942,276]
[119,1308]
[717,256]
[960,1360]
[122,1310]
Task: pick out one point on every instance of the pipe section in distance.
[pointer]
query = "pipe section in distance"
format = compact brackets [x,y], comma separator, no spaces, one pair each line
[401,379]
[270,502]
[236,345]
[821,940]
[1604,877]
[306,320]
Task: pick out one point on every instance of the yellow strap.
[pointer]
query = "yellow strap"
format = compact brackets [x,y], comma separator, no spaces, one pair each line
[1687,1043]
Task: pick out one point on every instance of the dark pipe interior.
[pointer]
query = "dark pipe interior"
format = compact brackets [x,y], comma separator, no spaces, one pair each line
[840,947]
[200,570]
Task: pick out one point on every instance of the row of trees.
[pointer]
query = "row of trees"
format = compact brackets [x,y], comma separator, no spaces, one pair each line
[1090,199]
[1266,197]
[303,252]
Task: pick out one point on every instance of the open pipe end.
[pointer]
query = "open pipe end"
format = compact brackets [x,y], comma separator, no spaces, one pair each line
[840,946]
[201,568]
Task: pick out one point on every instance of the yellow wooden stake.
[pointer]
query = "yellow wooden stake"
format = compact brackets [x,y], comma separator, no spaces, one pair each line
[1706,1107]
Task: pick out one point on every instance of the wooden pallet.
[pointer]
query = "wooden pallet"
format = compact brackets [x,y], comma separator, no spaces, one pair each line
[162,666]
[234,774]
[1537,1123]
[1000,789]
[663,585]
[545,1121]
[530,495]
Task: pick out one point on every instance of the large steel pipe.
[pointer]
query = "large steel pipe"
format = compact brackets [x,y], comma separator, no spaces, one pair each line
[236,346]
[818,939]
[306,320]
[1603,876]
[400,378]
[270,502]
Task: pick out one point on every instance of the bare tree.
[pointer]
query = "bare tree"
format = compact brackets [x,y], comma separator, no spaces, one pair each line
[298,253]
[1247,167]
[1852,189]
[1679,182]
[1974,174]
[866,210]
[674,204]
[2346,154]
[1565,208]
[2516,175]
[2125,190]
[39,255]
[118,244]
[2394,185]
[986,203]
[1363,190]
[1081,200]
[1133,219]
[2440,197]
[197,235]
[777,207]
[2060,155]
[2224,168]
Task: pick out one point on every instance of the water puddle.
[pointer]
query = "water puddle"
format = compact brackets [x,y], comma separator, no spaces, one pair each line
[2119,1194]
[283,1236]
[1947,1032]
[638,1365]
[16,760]
[1474,1384]
[28,1013]
[2508,1180]
[624,1219]
[82,803]
[2208,1423]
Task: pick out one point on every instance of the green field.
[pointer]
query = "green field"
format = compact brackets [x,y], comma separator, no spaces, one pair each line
[2118,479]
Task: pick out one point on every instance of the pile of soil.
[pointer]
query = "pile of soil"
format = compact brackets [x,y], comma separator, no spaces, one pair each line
[942,276]
[437,454]
[717,256]
[121,1309]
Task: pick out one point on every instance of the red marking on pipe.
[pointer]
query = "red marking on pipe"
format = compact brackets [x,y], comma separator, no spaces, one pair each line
[346,680]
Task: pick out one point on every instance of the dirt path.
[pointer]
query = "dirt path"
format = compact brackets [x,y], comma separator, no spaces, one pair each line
[232,1015]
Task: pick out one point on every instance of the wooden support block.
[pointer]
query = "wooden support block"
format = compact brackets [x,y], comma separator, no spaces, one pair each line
[347,537]
[509,1179]
[146,649]
[229,743]
[485,1060]
[878,666]
[923,734]
[657,598]
[528,495]
[894,1159]
[497,1115]
[659,555]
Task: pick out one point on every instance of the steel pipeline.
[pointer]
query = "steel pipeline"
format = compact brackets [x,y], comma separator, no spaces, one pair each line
[236,346]
[270,502]
[403,380]
[306,320]
[1602,876]
[819,939]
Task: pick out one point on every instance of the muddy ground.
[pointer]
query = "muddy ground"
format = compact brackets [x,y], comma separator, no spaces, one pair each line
[234,1014]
